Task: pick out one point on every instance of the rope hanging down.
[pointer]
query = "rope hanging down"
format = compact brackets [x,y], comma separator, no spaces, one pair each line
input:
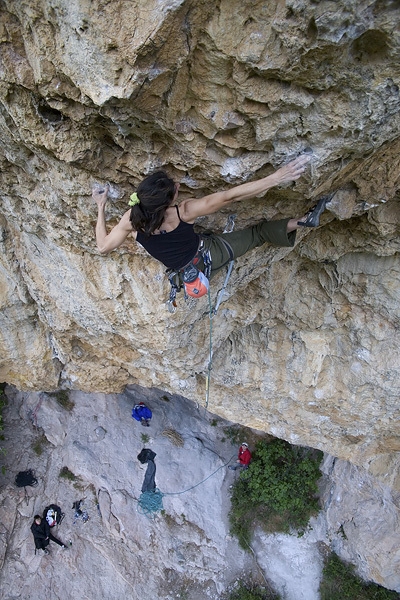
[230,224]
[150,503]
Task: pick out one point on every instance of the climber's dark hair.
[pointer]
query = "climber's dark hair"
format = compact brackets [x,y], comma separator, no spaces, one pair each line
[155,193]
[36,517]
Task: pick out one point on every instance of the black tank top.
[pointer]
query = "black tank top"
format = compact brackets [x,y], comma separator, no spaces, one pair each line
[174,249]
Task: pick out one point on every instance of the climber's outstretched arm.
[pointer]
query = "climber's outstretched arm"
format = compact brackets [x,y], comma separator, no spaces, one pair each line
[106,242]
[197,207]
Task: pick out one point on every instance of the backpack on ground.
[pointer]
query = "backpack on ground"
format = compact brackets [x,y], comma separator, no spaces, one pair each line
[24,478]
[53,515]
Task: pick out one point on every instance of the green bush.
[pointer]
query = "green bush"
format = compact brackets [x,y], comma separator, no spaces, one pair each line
[340,583]
[39,444]
[65,473]
[242,513]
[250,591]
[145,438]
[278,491]
[284,477]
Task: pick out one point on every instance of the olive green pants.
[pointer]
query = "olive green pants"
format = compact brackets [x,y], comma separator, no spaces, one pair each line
[240,242]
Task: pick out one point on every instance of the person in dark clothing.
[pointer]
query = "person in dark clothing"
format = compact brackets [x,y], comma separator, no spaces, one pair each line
[147,456]
[165,229]
[42,535]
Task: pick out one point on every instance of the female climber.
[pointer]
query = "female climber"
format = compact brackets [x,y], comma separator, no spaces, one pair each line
[165,228]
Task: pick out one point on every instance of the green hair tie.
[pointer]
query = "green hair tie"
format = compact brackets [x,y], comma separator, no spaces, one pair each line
[134,200]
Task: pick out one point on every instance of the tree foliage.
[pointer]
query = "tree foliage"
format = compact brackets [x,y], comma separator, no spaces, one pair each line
[341,583]
[250,591]
[278,490]
[284,477]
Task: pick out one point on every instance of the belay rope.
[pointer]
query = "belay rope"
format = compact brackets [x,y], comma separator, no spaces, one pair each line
[230,224]
[175,277]
[150,503]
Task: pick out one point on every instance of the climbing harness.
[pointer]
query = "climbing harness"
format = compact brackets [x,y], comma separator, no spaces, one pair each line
[193,280]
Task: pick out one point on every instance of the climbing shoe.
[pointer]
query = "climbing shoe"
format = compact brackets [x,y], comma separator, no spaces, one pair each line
[46,551]
[313,215]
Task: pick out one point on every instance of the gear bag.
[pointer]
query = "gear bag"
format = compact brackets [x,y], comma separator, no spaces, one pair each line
[53,515]
[79,513]
[195,283]
[146,454]
[24,478]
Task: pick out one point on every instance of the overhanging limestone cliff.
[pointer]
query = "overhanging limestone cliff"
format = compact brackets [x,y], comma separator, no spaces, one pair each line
[305,346]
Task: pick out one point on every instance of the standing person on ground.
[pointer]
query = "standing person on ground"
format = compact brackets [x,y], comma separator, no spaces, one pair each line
[244,458]
[165,228]
[42,535]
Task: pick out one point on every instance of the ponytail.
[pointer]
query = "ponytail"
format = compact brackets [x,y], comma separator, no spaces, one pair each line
[155,194]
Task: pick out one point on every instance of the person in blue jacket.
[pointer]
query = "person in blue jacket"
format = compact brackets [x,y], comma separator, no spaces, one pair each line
[142,413]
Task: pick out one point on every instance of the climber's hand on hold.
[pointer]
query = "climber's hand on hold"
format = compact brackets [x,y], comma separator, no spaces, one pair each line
[292,170]
[99,195]
[192,208]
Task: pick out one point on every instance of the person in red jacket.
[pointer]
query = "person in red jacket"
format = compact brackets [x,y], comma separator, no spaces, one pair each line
[244,458]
